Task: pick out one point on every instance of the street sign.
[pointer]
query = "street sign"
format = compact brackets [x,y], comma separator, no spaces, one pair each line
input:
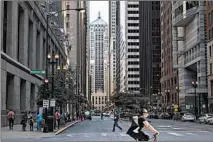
[52,103]
[37,72]
[45,103]
[176,110]
[175,106]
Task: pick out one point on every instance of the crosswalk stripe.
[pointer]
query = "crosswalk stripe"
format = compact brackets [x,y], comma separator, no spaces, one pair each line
[124,135]
[104,134]
[190,134]
[176,128]
[176,134]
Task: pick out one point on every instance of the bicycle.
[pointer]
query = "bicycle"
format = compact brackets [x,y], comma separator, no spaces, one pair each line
[154,137]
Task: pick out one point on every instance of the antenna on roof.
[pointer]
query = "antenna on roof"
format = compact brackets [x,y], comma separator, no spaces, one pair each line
[99,15]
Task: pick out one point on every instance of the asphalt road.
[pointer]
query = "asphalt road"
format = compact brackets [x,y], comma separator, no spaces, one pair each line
[101,130]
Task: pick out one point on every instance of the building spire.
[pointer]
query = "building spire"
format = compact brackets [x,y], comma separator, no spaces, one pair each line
[99,15]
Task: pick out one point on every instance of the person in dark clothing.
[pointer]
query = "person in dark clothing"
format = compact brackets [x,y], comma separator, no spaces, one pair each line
[116,118]
[31,123]
[24,121]
[102,115]
[138,123]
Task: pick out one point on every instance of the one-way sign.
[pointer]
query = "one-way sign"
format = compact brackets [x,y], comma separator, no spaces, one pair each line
[45,103]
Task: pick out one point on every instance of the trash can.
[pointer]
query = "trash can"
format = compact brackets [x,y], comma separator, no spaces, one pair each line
[50,123]
[45,129]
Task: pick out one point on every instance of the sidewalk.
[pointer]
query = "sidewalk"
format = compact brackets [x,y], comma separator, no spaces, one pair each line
[18,133]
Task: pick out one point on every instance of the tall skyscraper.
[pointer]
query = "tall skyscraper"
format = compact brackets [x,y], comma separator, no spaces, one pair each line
[189,52]
[70,26]
[98,60]
[150,49]
[132,43]
[75,24]
[144,49]
[112,44]
[169,80]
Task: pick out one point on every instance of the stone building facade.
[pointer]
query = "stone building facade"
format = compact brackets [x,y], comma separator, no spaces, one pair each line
[23,49]
[189,53]
[209,31]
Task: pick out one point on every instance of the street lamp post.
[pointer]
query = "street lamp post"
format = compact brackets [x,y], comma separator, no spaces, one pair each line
[194,85]
[178,99]
[52,59]
[167,94]
[49,15]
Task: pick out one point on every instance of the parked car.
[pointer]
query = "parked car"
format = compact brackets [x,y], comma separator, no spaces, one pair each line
[106,114]
[188,117]
[204,118]
[164,116]
[210,121]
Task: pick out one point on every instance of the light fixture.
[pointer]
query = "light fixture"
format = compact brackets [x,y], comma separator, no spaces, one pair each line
[58,68]
[49,56]
[56,56]
[65,68]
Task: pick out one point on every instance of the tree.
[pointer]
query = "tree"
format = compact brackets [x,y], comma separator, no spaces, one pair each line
[63,89]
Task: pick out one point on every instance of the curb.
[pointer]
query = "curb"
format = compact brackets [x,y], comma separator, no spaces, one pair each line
[63,129]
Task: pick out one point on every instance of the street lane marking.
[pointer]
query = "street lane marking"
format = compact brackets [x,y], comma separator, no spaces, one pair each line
[176,128]
[164,126]
[190,134]
[104,134]
[176,134]
[124,135]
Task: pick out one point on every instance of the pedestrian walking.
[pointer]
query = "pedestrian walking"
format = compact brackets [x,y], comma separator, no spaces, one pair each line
[11,117]
[116,119]
[57,118]
[102,115]
[31,123]
[24,121]
[38,120]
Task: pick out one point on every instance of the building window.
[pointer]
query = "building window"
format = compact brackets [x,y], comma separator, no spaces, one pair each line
[133,24]
[210,51]
[210,68]
[133,18]
[67,24]
[133,5]
[133,12]
[68,17]
[133,37]
[68,6]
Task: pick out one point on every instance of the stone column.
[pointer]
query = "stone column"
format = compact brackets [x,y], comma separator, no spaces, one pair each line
[12,29]
[25,96]
[14,93]
[3,88]
[41,60]
[33,53]
[24,38]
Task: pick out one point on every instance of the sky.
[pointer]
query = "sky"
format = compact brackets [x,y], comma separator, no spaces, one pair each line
[96,6]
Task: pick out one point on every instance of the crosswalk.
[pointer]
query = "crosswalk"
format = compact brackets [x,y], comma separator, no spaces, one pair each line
[123,134]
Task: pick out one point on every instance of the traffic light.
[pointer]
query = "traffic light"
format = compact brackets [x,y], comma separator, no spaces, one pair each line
[46,81]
